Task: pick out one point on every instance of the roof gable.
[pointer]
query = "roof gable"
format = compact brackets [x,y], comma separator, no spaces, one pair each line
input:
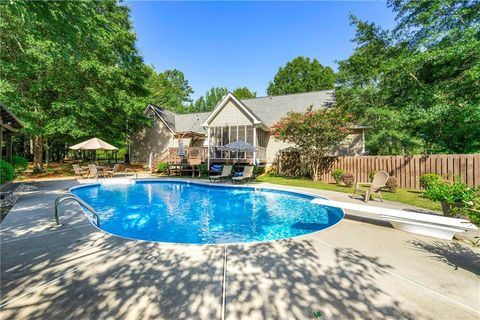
[167,117]
[238,103]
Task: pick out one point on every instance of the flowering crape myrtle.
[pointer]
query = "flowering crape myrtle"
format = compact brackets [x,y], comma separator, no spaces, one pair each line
[314,133]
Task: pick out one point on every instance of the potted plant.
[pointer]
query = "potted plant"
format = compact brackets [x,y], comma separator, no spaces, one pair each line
[451,195]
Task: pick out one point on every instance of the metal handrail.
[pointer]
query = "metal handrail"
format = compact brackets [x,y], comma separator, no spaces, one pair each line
[70,196]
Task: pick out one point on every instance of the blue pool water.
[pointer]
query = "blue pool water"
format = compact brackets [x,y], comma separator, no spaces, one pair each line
[184,212]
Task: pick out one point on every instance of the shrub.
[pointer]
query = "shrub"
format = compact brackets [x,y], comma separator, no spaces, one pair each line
[451,192]
[392,184]
[348,178]
[371,175]
[162,167]
[6,171]
[20,164]
[203,168]
[471,210]
[337,175]
[429,179]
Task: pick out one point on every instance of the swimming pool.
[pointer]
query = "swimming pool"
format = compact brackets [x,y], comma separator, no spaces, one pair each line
[196,213]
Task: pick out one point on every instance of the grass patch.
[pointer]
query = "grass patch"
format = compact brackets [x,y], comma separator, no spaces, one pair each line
[411,197]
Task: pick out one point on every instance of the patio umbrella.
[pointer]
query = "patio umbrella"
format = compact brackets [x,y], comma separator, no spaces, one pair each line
[239,146]
[94,144]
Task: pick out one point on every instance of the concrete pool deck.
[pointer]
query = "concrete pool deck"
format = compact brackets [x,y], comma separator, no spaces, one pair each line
[355,270]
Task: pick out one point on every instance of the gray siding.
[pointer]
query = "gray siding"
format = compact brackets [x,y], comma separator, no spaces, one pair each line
[153,139]
[231,114]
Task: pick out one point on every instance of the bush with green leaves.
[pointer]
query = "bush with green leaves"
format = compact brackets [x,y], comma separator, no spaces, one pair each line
[7,173]
[162,167]
[203,168]
[451,192]
[392,184]
[19,163]
[348,179]
[371,175]
[337,175]
[429,179]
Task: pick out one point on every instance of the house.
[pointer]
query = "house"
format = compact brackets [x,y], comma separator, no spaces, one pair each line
[9,124]
[198,137]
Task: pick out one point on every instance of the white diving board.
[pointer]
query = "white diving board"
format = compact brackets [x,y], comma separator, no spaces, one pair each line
[419,223]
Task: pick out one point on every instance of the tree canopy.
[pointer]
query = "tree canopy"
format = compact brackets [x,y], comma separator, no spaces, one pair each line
[169,90]
[209,100]
[70,68]
[301,75]
[244,93]
[417,85]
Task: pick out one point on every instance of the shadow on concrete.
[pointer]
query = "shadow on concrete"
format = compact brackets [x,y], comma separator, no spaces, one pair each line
[291,280]
[118,279]
[88,274]
[454,254]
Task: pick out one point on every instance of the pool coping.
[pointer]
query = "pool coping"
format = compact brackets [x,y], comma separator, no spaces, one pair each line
[187,181]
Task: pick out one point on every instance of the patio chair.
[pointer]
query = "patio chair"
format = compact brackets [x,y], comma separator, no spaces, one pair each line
[93,171]
[246,176]
[226,173]
[379,181]
[79,171]
[111,172]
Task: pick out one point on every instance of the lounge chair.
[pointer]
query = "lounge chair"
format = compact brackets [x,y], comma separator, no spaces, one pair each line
[111,172]
[79,171]
[379,181]
[246,176]
[226,173]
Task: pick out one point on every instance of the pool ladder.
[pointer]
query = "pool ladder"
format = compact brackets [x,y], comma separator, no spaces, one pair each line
[82,203]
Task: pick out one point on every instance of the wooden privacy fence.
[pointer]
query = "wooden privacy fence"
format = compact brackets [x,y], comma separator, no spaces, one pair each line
[408,169]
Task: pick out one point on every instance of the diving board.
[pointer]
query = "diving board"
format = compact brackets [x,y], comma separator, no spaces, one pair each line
[419,223]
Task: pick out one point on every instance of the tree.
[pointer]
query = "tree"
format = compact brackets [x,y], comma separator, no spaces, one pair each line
[70,70]
[244,93]
[417,85]
[210,100]
[314,133]
[301,75]
[169,90]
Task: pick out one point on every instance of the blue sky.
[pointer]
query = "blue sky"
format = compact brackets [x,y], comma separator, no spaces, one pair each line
[235,44]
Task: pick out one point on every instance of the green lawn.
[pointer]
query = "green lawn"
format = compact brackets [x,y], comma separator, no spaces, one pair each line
[411,197]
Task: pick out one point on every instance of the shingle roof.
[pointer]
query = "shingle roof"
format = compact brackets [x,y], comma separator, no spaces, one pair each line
[272,109]
[190,122]
[166,115]
[9,118]
[268,109]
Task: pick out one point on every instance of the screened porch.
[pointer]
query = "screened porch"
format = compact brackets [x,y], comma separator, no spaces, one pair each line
[220,136]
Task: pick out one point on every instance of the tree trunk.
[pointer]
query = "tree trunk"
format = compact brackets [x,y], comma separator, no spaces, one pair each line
[38,154]
[47,152]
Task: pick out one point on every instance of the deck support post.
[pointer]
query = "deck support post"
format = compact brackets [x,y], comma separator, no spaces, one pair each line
[208,150]
[255,144]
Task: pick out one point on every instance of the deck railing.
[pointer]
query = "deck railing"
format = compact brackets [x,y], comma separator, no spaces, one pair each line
[196,155]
